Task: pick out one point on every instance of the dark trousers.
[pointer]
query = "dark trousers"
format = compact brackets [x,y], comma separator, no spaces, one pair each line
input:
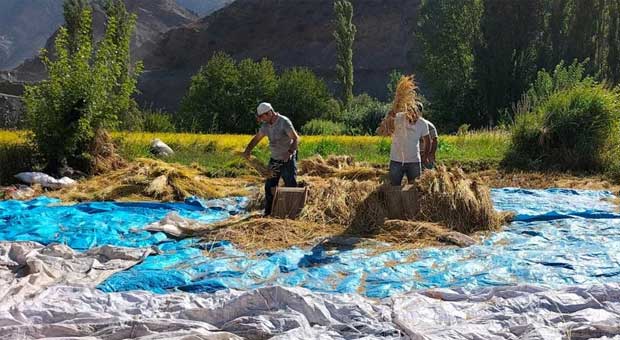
[398,170]
[288,172]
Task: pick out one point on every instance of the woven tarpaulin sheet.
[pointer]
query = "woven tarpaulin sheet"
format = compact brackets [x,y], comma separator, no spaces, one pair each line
[88,225]
[559,237]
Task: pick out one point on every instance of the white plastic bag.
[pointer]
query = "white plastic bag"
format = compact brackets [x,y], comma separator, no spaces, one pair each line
[45,180]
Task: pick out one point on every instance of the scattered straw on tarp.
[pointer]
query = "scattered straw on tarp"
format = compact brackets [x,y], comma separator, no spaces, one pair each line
[273,234]
[148,179]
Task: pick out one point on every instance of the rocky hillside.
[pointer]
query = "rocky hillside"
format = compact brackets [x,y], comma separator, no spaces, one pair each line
[174,44]
[36,26]
[294,33]
[25,26]
[204,7]
[11,112]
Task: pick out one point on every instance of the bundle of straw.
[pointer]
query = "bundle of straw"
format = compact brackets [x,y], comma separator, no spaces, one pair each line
[405,97]
[405,100]
[450,198]
[104,155]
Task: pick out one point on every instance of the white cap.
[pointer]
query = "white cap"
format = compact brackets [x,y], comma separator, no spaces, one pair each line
[263,108]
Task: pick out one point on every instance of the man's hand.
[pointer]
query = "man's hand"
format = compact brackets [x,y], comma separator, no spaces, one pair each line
[291,153]
[247,154]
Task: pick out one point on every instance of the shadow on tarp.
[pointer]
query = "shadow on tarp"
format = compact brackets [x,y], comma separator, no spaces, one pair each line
[577,247]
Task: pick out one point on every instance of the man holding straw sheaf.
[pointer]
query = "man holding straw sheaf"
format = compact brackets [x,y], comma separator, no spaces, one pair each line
[406,129]
[283,142]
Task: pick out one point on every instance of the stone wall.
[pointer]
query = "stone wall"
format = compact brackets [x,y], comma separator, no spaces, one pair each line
[11,112]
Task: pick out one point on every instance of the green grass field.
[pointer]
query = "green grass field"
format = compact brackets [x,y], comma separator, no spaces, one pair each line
[218,154]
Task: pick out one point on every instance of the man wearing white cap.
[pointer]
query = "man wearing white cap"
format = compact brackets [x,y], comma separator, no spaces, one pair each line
[283,142]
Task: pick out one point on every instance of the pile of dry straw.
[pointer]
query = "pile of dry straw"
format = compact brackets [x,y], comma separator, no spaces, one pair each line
[148,179]
[449,202]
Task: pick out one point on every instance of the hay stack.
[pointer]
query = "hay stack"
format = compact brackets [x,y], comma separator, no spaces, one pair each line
[148,179]
[450,198]
[344,202]
[446,197]
[450,204]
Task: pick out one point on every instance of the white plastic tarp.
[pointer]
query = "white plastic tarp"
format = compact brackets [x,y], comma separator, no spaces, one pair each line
[27,267]
[521,312]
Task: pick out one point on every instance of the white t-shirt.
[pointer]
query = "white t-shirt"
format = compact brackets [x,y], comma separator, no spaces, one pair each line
[406,139]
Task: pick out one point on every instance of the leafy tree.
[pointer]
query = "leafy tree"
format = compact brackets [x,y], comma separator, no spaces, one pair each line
[613,41]
[344,36]
[394,77]
[86,90]
[301,96]
[223,95]
[364,115]
[72,11]
[448,30]
[506,60]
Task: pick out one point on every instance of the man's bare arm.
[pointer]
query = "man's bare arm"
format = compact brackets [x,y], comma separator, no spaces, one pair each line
[433,149]
[427,148]
[295,140]
[253,143]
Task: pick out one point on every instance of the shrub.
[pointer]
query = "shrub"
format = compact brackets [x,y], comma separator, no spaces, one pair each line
[15,158]
[563,77]
[365,115]
[574,129]
[322,127]
[224,94]
[157,121]
[325,147]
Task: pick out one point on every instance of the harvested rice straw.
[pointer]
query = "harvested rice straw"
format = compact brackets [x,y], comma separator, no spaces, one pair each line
[338,166]
[104,155]
[274,234]
[255,163]
[449,198]
[148,179]
[405,96]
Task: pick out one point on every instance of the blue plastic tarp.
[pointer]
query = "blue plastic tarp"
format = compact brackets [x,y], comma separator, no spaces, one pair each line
[560,237]
[87,225]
